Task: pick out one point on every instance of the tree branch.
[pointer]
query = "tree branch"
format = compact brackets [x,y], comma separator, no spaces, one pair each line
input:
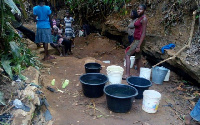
[186,46]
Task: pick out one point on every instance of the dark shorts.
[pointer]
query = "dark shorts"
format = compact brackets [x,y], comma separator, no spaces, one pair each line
[130,39]
[133,46]
[43,36]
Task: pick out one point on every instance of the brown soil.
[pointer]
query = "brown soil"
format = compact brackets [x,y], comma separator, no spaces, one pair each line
[73,108]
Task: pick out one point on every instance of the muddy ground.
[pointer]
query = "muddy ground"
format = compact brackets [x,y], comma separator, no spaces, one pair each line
[72,108]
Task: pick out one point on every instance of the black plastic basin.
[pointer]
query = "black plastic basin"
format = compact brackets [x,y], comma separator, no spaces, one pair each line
[93,84]
[92,68]
[140,84]
[120,97]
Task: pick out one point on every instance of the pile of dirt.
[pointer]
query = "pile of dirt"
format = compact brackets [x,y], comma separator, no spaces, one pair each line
[98,47]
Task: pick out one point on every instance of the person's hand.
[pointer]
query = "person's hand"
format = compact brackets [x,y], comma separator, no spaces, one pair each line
[137,49]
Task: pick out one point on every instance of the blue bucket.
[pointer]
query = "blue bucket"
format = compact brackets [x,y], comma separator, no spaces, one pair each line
[158,74]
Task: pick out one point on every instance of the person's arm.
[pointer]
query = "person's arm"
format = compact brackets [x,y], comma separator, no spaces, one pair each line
[50,21]
[72,24]
[34,18]
[34,15]
[144,27]
[49,15]
[131,25]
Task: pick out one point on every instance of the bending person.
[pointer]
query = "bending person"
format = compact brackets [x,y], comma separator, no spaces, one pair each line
[137,46]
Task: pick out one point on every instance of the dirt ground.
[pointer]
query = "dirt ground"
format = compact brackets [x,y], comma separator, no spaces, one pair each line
[72,108]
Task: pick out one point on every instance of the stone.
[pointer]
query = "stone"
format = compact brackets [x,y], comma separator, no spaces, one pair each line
[20,117]
[32,74]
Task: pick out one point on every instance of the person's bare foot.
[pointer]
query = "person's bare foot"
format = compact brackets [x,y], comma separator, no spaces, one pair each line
[125,77]
[70,53]
[137,74]
[49,58]
[187,119]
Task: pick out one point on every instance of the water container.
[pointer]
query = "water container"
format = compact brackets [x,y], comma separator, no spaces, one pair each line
[132,58]
[115,77]
[167,76]
[141,84]
[115,74]
[158,74]
[151,101]
[114,68]
[120,97]
[145,73]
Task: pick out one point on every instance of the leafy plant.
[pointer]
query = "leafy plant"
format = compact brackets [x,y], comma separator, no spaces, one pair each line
[15,56]
[95,8]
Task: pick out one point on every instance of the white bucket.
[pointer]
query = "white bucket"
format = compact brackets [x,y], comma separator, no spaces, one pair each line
[132,58]
[151,99]
[114,74]
[145,73]
[114,68]
[167,76]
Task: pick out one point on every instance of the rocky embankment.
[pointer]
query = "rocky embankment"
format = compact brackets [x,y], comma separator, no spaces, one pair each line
[186,64]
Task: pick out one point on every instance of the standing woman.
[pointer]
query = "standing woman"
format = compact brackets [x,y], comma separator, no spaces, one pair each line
[137,46]
[43,35]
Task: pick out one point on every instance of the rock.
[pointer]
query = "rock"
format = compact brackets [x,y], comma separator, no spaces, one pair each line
[189,66]
[179,62]
[29,92]
[32,74]
[20,117]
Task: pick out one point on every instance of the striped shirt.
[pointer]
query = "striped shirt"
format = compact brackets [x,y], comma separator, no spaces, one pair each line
[69,32]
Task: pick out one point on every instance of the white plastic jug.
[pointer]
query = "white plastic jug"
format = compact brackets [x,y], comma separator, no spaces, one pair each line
[151,100]
[114,74]
[145,73]
[132,58]
[167,76]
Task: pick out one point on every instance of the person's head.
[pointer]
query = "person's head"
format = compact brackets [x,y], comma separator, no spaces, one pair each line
[55,16]
[41,1]
[141,9]
[133,14]
[67,13]
[55,30]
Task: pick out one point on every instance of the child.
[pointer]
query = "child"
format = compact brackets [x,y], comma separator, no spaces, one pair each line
[57,41]
[54,20]
[67,45]
[131,27]
[69,32]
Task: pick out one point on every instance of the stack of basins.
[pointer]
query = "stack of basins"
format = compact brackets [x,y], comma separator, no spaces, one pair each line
[93,81]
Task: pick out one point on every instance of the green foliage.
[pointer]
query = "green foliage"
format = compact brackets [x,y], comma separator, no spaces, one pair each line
[2,101]
[5,62]
[15,56]
[94,8]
